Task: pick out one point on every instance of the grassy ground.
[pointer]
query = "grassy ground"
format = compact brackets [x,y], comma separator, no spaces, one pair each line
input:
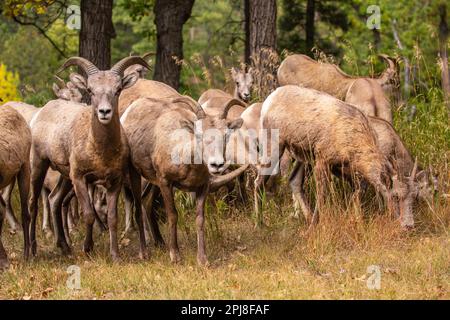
[279,261]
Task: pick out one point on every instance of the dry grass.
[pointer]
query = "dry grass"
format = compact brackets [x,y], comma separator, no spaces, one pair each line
[277,262]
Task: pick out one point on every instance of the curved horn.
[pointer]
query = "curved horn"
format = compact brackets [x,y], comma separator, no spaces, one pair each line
[389,61]
[120,66]
[228,106]
[60,82]
[219,181]
[414,170]
[198,110]
[83,63]
[148,54]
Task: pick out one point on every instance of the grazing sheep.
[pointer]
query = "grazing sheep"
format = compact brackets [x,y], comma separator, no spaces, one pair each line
[326,132]
[15,144]
[88,147]
[159,130]
[242,90]
[366,93]
[393,148]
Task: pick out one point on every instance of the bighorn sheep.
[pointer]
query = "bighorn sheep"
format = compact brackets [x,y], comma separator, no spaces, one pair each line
[139,69]
[88,147]
[242,90]
[165,138]
[391,146]
[15,144]
[27,111]
[67,91]
[366,93]
[316,127]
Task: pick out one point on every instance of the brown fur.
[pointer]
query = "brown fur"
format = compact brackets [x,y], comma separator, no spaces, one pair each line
[366,93]
[149,125]
[86,144]
[15,143]
[145,89]
[316,127]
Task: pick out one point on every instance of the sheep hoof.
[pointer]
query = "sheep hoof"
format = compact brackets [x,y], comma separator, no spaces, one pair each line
[143,255]
[175,257]
[202,261]
[116,258]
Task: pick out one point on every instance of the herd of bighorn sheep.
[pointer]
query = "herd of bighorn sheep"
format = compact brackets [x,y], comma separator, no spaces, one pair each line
[111,131]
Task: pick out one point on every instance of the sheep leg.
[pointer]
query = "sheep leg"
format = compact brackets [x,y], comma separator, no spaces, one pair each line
[112,196]
[99,221]
[135,180]
[169,204]
[66,214]
[128,199]
[74,215]
[150,209]
[23,182]
[38,172]
[82,193]
[322,176]
[56,199]
[46,222]
[260,182]
[296,181]
[201,196]
[243,196]
[10,217]
[4,264]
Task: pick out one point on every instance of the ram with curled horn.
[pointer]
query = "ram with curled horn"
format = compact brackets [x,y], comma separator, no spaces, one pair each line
[88,147]
[174,143]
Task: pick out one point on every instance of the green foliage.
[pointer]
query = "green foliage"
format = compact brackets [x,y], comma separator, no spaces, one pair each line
[9,82]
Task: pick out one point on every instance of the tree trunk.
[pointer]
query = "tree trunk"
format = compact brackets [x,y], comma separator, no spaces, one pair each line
[247,32]
[262,45]
[170,16]
[96,32]
[443,36]
[310,29]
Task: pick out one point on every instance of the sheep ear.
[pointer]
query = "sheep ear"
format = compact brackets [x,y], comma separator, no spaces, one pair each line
[56,89]
[234,73]
[235,124]
[129,80]
[78,80]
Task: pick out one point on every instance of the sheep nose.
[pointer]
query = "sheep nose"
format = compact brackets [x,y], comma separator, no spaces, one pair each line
[217,164]
[104,112]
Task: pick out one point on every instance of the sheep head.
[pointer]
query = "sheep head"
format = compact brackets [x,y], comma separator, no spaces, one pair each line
[212,134]
[139,69]
[244,82]
[104,87]
[405,191]
[66,91]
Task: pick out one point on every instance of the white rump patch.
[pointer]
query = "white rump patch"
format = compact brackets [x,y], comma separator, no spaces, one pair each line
[123,118]
[266,105]
[33,120]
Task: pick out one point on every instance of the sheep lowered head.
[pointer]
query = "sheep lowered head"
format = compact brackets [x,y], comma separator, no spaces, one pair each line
[244,82]
[66,91]
[406,192]
[212,133]
[104,87]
